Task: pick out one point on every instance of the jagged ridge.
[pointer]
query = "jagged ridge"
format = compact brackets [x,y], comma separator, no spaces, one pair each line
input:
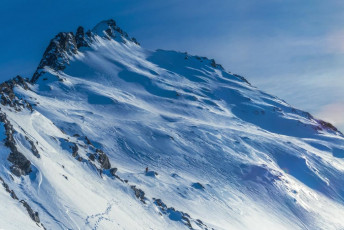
[64,45]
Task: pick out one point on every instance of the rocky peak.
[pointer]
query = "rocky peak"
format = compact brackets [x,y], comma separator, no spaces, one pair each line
[80,38]
[57,54]
[110,30]
[65,45]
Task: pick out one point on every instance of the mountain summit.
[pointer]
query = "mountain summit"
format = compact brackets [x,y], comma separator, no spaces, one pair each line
[64,45]
[109,135]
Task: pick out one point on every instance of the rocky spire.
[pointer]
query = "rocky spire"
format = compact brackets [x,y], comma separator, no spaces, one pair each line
[57,54]
[80,38]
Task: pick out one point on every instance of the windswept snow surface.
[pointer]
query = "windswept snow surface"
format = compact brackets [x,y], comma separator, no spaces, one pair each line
[221,153]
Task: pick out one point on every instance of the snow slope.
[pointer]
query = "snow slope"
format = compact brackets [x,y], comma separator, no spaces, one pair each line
[221,153]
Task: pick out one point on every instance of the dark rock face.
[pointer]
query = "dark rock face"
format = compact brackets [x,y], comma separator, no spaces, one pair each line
[92,157]
[56,55]
[65,44]
[173,214]
[75,153]
[139,193]
[75,150]
[111,23]
[215,65]
[113,29]
[33,215]
[80,38]
[176,215]
[8,96]
[135,41]
[33,148]
[327,125]
[21,165]
[93,153]
[103,159]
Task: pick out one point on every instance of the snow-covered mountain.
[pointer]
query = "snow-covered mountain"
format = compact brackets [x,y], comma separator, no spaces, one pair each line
[221,154]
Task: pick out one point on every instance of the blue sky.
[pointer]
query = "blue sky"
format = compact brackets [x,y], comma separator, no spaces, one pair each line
[290,48]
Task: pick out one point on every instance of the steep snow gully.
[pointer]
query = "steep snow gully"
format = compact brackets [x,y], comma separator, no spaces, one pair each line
[221,154]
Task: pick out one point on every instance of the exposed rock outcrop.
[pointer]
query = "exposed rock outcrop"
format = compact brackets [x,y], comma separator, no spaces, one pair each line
[58,53]
[139,193]
[8,96]
[176,215]
[20,164]
[75,149]
[33,147]
[103,159]
[112,31]
[33,215]
[7,188]
[80,39]
[328,126]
